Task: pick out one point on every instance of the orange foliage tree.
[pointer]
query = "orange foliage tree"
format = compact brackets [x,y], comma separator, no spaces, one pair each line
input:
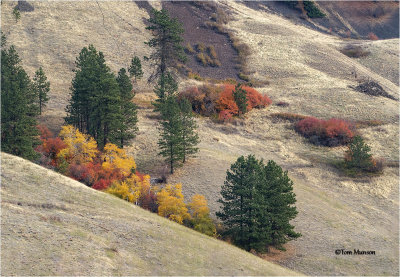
[49,148]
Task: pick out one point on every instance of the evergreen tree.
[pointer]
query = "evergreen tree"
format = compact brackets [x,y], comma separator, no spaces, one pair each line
[256,204]
[170,142]
[240,97]
[165,87]
[18,108]
[42,87]
[128,126]
[167,42]
[135,69]
[358,155]
[95,100]
[278,198]
[189,136]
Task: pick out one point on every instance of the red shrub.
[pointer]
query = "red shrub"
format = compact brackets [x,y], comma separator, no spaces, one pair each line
[50,147]
[256,99]
[45,133]
[372,36]
[148,201]
[226,102]
[330,132]
[81,173]
[225,115]
[101,184]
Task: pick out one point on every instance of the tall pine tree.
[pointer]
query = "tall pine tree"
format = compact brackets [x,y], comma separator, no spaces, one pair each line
[167,43]
[42,87]
[128,125]
[257,204]
[135,69]
[18,107]
[190,138]
[170,141]
[95,100]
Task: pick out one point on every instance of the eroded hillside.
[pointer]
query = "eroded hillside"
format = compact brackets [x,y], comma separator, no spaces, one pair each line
[305,68]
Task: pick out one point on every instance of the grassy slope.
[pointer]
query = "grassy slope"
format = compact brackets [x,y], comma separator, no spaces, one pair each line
[52,225]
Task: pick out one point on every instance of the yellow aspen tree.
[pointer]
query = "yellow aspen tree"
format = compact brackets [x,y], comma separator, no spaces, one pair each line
[116,158]
[81,148]
[171,204]
[198,206]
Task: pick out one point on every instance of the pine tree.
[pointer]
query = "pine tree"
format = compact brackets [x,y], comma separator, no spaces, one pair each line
[189,136]
[170,142]
[42,87]
[166,86]
[277,195]
[240,97]
[18,107]
[358,155]
[128,126]
[257,204]
[95,101]
[135,69]
[167,42]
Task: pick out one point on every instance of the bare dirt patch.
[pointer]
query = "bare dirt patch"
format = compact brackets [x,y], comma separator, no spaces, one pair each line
[193,18]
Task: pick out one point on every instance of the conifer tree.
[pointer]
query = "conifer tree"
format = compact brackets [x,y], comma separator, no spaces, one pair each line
[128,126]
[95,101]
[240,97]
[135,69]
[167,43]
[166,86]
[42,87]
[18,107]
[170,142]
[257,204]
[358,155]
[190,138]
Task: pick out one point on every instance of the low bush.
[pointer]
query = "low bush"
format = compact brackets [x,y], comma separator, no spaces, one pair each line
[355,51]
[332,132]
[254,99]
[189,49]
[282,104]
[372,36]
[358,160]
[218,100]
[292,117]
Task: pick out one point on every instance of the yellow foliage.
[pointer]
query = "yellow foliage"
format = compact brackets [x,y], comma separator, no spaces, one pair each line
[115,157]
[131,188]
[81,148]
[199,206]
[171,203]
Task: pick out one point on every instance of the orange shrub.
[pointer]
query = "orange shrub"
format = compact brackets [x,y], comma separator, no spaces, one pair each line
[330,132]
[254,99]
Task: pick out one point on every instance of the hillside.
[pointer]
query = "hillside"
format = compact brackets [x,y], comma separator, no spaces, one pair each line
[296,64]
[53,225]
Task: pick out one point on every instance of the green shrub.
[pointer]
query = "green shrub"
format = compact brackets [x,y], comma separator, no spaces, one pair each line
[312,10]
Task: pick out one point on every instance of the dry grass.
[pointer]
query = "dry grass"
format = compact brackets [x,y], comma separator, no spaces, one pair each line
[98,234]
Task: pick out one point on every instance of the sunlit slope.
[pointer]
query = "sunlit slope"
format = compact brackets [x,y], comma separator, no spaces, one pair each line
[53,225]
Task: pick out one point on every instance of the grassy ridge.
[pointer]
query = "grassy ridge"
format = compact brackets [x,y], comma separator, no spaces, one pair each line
[52,225]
